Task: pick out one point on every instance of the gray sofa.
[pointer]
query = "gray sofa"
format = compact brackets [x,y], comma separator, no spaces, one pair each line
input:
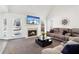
[58,33]
[72,35]
[59,48]
[75,32]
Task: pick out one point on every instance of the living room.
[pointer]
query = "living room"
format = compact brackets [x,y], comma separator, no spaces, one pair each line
[38,29]
[62,25]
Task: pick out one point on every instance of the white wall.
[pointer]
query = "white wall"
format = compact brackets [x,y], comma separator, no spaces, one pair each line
[10,17]
[60,12]
[49,24]
[12,12]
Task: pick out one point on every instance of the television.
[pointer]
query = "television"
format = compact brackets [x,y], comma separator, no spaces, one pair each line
[33,20]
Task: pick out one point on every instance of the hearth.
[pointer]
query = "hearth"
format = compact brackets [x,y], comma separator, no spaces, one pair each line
[32,32]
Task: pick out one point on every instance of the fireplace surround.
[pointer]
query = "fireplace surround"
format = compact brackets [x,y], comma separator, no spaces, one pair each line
[32,32]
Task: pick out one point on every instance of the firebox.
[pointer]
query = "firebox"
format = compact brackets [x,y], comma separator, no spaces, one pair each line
[32,32]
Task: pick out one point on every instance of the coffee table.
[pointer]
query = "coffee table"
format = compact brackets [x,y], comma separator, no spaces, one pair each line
[43,42]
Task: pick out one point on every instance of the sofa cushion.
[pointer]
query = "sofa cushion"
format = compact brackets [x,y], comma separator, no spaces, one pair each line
[76,39]
[61,30]
[51,34]
[59,36]
[55,50]
[75,30]
[71,42]
[56,30]
[75,35]
[67,34]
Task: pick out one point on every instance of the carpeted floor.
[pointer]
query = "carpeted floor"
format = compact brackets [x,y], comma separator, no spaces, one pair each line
[26,46]
[3,44]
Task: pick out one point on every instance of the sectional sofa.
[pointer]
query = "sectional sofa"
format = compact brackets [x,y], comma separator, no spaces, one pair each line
[62,34]
[58,49]
[72,35]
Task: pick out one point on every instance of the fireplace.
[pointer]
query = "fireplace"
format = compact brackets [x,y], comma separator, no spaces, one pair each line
[32,32]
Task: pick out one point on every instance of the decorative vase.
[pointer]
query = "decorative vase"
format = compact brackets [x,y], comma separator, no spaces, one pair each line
[43,35]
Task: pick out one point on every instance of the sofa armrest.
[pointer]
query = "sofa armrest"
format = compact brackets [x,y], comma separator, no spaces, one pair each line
[68,34]
[55,50]
[76,39]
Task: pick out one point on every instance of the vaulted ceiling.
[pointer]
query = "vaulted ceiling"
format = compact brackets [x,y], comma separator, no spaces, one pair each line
[40,10]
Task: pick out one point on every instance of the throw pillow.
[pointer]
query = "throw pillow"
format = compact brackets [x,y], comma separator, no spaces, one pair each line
[64,32]
[51,31]
[71,49]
